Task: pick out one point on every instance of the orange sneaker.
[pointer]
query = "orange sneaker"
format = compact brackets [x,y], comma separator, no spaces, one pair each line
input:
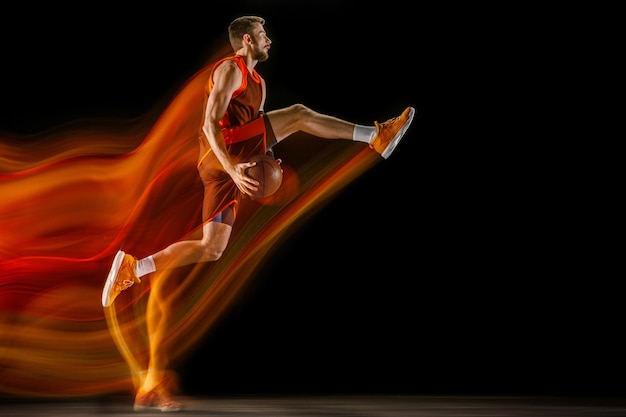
[389,133]
[121,276]
[157,399]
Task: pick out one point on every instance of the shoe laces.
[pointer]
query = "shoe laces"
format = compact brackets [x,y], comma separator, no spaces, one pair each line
[382,131]
[389,122]
[127,283]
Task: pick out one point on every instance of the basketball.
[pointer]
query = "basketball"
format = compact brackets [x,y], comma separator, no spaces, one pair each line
[268,173]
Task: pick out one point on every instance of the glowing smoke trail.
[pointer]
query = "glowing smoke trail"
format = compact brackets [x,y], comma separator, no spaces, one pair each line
[73,196]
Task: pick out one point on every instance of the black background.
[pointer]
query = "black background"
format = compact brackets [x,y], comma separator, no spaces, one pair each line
[471,261]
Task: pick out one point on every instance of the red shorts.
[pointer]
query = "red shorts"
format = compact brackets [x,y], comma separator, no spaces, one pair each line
[242,143]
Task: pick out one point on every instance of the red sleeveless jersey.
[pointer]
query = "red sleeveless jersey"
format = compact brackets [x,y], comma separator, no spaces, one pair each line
[246,100]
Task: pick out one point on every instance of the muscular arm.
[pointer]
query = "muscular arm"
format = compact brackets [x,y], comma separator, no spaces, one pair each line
[227,78]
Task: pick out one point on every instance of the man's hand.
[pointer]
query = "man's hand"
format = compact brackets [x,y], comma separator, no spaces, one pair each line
[246,184]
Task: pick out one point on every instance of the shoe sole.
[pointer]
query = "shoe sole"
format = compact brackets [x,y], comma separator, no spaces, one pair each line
[396,139]
[147,408]
[108,285]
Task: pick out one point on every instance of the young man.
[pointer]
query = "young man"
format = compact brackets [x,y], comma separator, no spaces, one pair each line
[234,129]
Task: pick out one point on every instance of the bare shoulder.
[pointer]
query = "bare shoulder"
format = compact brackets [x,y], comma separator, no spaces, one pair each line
[227,76]
[227,66]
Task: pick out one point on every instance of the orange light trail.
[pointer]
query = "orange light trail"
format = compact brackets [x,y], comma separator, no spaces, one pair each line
[73,196]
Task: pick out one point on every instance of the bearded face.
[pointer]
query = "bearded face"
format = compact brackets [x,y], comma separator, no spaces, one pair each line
[260,44]
[260,54]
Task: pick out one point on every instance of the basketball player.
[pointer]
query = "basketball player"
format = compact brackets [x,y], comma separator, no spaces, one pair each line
[234,128]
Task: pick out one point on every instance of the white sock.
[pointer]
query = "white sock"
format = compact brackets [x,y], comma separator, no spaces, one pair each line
[364,133]
[145,266]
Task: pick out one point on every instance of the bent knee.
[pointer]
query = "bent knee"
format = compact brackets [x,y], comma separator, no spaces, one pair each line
[212,253]
[301,111]
[215,240]
[214,247]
